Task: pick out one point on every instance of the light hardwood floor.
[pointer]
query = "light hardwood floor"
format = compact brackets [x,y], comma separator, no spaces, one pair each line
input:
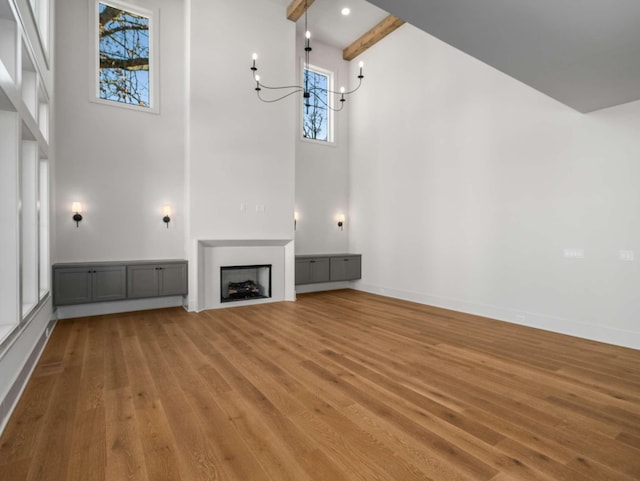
[337,386]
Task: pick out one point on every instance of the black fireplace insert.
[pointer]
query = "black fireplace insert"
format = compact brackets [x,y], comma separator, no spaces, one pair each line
[241,283]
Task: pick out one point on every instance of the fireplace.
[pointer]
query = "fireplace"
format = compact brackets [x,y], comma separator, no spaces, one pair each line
[213,254]
[243,283]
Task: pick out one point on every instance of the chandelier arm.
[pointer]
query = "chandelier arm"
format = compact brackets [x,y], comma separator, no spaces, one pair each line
[269,101]
[298,87]
[346,93]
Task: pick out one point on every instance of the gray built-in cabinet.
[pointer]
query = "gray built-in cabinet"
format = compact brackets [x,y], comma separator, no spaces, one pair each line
[81,283]
[146,280]
[311,269]
[89,283]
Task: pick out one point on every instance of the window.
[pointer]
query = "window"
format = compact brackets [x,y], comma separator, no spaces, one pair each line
[125,56]
[317,119]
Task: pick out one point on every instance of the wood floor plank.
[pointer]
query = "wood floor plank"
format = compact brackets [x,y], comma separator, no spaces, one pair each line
[19,438]
[88,450]
[158,443]
[49,462]
[338,386]
[196,460]
[125,455]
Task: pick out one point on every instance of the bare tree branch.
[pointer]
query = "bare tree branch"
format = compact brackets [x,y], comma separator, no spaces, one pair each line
[126,64]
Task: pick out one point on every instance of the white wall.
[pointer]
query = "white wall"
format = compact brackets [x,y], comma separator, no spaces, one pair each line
[241,169]
[466,187]
[123,165]
[241,150]
[322,170]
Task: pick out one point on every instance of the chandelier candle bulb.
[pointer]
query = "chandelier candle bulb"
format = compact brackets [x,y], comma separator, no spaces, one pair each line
[307,45]
[254,57]
[361,65]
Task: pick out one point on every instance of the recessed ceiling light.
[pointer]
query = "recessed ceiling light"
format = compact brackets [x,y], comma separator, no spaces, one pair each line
[346,11]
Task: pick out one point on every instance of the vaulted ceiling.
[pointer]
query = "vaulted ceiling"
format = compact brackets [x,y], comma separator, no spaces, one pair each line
[583,53]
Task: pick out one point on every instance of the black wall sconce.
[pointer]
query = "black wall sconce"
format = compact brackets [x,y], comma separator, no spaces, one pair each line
[341,221]
[166,212]
[76,208]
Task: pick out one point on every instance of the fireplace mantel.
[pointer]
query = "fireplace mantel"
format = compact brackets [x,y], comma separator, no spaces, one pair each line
[244,242]
[209,254]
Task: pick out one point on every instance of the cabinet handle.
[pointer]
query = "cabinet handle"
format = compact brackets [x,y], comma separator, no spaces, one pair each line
[89,272]
[312,262]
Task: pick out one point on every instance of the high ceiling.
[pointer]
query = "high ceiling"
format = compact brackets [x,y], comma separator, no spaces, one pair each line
[583,53]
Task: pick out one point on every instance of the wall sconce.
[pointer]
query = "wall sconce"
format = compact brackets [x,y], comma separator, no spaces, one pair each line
[340,221]
[166,212]
[76,208]
[296,216]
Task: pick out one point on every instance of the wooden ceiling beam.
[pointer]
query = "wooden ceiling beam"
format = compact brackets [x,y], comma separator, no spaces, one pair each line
[373,36]
[296,9]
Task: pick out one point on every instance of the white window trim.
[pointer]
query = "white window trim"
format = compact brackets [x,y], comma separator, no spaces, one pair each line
[154,19]
[331,138]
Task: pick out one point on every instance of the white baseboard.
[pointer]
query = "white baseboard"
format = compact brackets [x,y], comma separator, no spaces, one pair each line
[609,335]
[324,286]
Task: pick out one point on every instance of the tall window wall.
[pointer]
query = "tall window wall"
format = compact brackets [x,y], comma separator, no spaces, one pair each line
[25,85]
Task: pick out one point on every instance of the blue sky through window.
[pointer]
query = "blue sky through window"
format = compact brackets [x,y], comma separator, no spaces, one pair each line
[315,112]
[124,56]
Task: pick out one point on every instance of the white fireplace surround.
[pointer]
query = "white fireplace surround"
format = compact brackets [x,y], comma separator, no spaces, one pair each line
[211,254]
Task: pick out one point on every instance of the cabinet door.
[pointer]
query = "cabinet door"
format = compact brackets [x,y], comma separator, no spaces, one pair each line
[172,280]
[142,281]
[320,269]
[354,268]
[345,268]
[109,283]
[303,271]
[72,285]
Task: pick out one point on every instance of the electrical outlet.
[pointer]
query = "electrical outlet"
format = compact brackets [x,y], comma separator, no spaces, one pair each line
[243,207]
[260,208]
[574,253]
[627,255]
[520,318]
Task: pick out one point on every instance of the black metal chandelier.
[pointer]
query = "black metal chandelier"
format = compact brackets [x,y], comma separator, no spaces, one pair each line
[307,88]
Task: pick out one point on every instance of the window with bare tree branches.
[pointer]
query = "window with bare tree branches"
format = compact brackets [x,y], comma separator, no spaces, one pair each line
[124,56]
[316,109]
